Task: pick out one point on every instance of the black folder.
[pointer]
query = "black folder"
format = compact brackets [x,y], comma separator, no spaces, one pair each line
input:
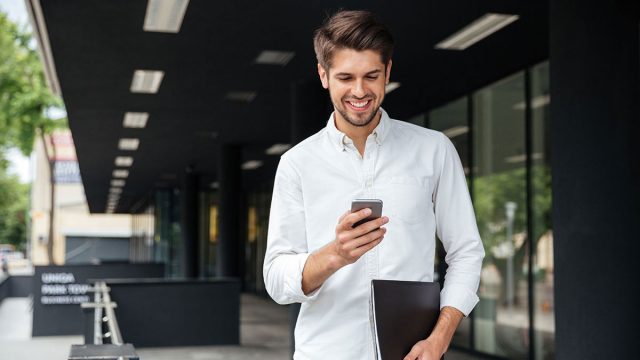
[402,313]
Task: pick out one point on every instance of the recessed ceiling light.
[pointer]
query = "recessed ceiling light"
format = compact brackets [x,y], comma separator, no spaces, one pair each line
[274,57]
[277,149]
[214,185]
[251,165]
[120,173]
[246,96]
[146,81]
[476,31]
[128,144]
[115,190]
[165,15]
[135,119]
[536,102]
[456,131]
[391,86]
[117,183]
[124,161]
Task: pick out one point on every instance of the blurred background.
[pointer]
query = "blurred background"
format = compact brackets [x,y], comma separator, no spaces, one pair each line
[139,140]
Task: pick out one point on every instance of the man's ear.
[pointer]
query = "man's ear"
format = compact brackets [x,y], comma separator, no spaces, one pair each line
[388,72]
[324,76]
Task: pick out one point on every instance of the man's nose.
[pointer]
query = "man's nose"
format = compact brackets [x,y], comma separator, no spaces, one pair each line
[358,89]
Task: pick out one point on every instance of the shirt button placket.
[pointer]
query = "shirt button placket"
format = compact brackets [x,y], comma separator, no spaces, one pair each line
[372,255]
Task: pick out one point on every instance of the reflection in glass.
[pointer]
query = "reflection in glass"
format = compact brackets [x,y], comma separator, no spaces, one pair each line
[543,310]
[501,318]
[452,120]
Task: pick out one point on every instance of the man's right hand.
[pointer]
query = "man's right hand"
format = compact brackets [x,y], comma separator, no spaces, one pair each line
[349,245]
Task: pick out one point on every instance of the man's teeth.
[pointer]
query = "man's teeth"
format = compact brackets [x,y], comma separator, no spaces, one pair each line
[359,104]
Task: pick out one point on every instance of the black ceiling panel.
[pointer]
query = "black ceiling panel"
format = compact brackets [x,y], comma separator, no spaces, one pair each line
[97,45]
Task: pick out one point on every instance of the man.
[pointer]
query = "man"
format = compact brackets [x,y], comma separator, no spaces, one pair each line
[362,153]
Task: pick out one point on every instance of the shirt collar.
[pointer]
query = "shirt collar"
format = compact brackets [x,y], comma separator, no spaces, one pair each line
[340,139]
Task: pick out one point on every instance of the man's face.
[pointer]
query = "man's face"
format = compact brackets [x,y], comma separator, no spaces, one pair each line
[356,83]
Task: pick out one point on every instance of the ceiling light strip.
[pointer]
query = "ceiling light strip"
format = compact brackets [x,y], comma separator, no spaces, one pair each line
[128,144]
[136,120]
[277,149]
[165,15]
[476,31]
[146,81]
[391,86]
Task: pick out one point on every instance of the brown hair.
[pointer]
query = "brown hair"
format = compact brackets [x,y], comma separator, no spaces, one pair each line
[358,30]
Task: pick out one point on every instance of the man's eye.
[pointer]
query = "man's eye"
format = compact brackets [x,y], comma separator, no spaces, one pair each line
[344,78]
[372,77]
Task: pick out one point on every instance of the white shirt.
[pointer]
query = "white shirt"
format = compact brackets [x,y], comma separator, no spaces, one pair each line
[417,174]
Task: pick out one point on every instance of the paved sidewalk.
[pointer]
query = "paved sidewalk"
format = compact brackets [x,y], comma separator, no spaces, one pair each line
[16,342]
[264,333]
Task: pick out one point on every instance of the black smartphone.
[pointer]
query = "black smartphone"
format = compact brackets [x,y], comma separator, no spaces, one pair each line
[374,204]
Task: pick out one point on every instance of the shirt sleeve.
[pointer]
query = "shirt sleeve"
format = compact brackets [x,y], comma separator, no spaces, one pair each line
[457,229]
[287,250]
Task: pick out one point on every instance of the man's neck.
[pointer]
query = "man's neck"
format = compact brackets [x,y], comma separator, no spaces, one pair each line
[357,134]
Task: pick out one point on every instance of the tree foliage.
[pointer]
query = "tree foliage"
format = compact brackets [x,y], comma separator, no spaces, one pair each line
[13,210]
[24,100]
[24,94]
[492,192]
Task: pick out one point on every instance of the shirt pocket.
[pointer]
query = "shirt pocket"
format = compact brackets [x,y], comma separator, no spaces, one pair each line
[410,200]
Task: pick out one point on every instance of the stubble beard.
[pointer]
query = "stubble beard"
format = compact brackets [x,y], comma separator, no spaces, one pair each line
[354,121]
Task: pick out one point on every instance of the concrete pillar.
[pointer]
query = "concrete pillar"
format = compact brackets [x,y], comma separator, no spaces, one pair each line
[594,63]
[230,241]
[189,222]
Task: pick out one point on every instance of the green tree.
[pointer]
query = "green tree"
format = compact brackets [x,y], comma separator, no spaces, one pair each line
[24,101]
[492,191]
[13,211]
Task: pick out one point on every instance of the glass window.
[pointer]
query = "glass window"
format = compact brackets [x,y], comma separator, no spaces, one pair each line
[501,321]
[543,310]
[452,120]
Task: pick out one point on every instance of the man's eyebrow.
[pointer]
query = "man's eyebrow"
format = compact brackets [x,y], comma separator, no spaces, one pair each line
[372,72]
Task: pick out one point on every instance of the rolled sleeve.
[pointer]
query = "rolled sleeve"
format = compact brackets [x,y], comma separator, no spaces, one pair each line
[457,229]
[293,282]
[459,297]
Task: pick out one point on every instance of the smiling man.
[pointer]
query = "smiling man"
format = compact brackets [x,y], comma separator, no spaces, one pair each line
[362,153]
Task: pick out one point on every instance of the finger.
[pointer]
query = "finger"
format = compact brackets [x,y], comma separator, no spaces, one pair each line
[358,252]
[413,354]
[370,226]
[366,238]
[354,217]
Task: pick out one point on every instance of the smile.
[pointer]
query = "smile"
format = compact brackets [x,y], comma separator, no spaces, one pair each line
[359,105]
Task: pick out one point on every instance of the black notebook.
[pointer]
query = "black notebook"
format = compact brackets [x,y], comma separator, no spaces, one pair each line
[402,313]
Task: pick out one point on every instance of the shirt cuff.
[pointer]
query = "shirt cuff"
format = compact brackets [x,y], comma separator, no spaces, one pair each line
[293,283]
[459,297]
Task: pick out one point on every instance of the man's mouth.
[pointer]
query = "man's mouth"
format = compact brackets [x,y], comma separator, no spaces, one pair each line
[359,105]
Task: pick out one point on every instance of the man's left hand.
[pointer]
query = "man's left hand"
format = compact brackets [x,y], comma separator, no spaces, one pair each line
[425,350]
